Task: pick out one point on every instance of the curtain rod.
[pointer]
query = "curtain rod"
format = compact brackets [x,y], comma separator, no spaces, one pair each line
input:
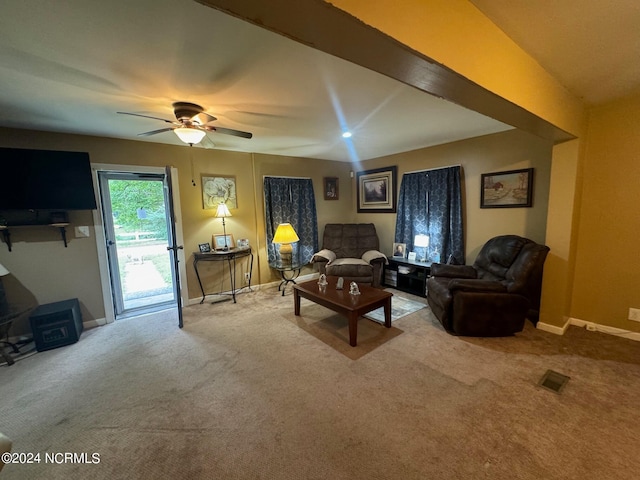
[436,168]
[284,176]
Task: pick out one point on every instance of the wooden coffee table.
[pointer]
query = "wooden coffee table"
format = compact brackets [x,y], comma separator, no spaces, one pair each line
[342,302]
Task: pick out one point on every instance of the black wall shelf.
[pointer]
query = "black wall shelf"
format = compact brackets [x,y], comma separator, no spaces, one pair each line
[12,219]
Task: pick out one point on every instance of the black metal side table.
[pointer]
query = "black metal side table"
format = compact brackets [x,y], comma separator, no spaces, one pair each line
[5,326]
[289,273]
[230,257]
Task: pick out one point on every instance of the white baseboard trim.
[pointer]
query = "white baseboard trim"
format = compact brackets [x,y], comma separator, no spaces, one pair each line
[302,278]
[591,326]
[220,296]
[97,322]
[553,328]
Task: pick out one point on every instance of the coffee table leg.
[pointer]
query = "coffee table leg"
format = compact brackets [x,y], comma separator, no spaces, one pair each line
[387,313]
[296,302]
[353,329]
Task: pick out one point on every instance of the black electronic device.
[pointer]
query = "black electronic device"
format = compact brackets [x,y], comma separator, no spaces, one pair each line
[56,324]
[45,180]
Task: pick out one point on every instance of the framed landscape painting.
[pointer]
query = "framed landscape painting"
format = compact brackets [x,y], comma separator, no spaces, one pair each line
[377,190]
[512,188]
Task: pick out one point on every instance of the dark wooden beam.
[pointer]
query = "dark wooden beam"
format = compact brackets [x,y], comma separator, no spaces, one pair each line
[322,26]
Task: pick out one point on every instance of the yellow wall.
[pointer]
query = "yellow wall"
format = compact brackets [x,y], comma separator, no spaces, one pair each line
[49,272]
[499,152]
[564,195]
[329,211]
[607,273]
[592,229]
[44,271]
[456,34]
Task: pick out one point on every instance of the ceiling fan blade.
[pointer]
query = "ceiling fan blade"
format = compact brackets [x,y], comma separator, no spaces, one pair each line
[153,132]
[202,118]
[229,131]
[146,116]
[206,142]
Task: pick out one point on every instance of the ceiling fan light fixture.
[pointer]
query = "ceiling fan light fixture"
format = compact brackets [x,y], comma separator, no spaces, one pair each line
[189,135]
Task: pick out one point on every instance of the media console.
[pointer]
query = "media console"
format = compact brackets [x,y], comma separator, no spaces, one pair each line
[407,275]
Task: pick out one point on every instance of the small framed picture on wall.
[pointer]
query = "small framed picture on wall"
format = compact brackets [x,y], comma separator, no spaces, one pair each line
[331,191]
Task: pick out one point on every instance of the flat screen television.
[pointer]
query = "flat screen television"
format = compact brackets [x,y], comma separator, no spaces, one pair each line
[45,180]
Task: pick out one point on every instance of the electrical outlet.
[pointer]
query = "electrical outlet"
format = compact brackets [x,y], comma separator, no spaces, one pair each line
[247,277]
[634,314]
[82,232]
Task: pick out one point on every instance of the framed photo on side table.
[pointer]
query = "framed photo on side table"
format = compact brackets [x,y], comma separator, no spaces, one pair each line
[219,241]
[204,247]
[400,250]
[377,190]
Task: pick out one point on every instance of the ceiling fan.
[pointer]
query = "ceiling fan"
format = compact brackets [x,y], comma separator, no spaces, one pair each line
[191,125]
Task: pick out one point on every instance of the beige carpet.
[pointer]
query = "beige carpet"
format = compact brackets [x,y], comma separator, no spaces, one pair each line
[245,391]
[333,330]
[400,307]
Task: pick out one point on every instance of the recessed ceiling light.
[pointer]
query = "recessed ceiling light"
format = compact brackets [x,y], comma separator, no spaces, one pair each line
[346,135]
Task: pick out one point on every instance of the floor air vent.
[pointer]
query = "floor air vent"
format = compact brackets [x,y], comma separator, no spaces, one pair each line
[553,381]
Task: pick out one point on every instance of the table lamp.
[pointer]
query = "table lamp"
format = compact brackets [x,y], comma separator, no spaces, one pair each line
[223,212]
[422,241]
[285,235]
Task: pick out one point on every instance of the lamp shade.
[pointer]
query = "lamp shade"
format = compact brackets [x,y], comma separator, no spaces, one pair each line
[421,241]
[285,234]
[190,135]
[3,271]
[222,211]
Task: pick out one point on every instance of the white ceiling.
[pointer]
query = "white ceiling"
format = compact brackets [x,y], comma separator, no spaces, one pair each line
[70,65]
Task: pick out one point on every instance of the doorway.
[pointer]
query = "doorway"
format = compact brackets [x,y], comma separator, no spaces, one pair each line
[138,228]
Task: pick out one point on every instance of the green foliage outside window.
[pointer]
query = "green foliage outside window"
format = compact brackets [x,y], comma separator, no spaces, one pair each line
[138,209]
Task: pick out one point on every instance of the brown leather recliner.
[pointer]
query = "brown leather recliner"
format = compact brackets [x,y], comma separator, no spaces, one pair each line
[350,250]
[492,297]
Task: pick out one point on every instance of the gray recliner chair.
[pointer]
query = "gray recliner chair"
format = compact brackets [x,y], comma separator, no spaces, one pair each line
[350,250]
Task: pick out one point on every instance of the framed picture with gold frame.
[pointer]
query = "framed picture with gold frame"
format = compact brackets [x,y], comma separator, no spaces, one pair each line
[220,241]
